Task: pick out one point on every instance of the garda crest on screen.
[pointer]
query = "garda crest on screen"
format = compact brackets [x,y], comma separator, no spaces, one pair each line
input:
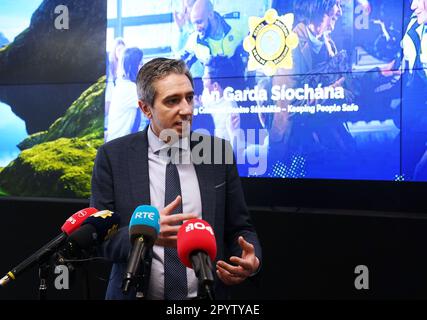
[270,42]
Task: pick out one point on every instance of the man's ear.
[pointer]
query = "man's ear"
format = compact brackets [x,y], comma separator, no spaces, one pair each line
[145,109]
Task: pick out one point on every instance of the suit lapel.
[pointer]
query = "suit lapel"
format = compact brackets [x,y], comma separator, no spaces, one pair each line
[140,179]
[138,169]
[206,179]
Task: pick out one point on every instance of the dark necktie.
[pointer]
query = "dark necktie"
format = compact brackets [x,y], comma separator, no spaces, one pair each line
[175,271]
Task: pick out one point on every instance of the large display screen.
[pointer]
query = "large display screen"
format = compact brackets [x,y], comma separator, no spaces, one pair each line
[311,89]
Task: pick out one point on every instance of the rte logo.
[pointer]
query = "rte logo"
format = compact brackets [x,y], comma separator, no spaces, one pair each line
[145,215]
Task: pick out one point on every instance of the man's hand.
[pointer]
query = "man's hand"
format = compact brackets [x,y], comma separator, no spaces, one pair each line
[170,223]
[243,268]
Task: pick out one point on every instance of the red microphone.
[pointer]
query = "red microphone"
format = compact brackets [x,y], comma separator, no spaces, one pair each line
[196,247]
[70,225]
[75,221]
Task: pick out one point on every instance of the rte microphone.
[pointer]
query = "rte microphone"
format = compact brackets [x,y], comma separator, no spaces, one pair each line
[96,229]
[144,227]
[70,225]
[196,247]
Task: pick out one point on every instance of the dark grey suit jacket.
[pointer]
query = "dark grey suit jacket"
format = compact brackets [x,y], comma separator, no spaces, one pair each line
[120,183]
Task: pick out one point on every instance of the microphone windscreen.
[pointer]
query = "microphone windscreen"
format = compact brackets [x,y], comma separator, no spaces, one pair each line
[76,220]
[85,237]
[105,222]
[145,222]
[195,235]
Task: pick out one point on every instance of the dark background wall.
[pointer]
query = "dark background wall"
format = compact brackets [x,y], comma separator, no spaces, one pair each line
[309,253]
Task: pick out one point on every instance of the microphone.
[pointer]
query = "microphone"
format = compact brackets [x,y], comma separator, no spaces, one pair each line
[70,225]
[96,229]
[196,247]
[144,227]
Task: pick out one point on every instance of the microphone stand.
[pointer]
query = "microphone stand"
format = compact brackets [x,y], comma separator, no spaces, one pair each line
[45,262]
[43,274]
[60,259]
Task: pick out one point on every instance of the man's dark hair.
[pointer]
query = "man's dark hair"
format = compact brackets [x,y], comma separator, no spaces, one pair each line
[155,70]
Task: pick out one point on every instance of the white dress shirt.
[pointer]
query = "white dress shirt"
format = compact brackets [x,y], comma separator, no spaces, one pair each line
[191,203]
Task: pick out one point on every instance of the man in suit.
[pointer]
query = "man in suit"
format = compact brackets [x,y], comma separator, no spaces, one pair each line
[133,170]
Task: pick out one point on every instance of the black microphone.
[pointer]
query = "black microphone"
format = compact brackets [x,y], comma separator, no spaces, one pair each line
[96,229]
[43,254]
[143,229]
